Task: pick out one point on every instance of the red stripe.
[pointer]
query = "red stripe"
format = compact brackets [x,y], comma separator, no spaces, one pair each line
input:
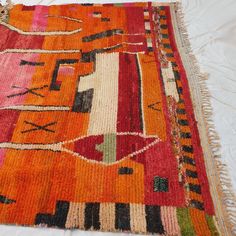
[135,22]
[198,154]
[12,40]
[128,144]
[135,25]
[128,119]
[8,120]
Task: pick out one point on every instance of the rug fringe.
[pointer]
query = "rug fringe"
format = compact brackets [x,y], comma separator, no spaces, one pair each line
[224,185]
[227,196]
[9,4]
[5,10]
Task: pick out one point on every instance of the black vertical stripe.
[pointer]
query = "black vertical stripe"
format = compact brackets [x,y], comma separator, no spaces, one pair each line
[83,101]
[180,90]
[153,218]
[176,73]
[96,222]
[88,217]
[139,93]
[62,208]
[92,216]
[58,219]
[122,220]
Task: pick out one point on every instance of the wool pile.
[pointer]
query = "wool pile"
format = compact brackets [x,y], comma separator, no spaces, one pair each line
[101,123]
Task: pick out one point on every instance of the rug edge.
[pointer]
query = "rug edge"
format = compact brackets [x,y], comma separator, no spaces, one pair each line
[220,182]
[225,199]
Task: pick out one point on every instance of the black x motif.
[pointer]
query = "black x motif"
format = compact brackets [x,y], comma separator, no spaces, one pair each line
[153,106]
[39,127]
[28,90]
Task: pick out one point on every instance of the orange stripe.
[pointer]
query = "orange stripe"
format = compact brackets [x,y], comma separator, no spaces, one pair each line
[199,222]
[151,95]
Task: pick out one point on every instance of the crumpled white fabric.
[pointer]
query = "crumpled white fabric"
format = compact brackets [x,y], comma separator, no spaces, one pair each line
[212,31]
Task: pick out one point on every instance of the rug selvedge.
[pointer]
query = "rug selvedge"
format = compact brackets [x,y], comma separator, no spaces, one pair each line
[97,128]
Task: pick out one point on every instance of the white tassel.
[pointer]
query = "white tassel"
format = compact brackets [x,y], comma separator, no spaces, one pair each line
[226,193]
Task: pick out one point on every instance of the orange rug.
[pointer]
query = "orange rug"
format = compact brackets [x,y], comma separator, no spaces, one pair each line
[98,130]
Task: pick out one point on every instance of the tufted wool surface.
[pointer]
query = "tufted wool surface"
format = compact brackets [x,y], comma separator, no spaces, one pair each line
[103,121]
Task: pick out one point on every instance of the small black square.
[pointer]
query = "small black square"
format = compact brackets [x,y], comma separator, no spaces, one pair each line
[160,184]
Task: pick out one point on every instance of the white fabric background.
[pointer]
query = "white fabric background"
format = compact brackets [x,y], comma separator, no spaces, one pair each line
[212,29]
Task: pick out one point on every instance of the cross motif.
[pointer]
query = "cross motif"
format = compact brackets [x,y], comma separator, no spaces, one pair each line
[39,127]
[27,90]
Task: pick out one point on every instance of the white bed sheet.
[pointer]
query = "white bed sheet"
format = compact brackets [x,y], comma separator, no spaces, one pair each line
[212,29]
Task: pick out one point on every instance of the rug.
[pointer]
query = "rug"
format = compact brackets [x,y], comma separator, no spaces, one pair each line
[105,122]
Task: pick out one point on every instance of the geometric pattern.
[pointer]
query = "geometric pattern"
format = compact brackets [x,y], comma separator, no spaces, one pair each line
[160,184]
[97,128]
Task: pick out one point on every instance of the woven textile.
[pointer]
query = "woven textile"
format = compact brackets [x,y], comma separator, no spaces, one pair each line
[97,125]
